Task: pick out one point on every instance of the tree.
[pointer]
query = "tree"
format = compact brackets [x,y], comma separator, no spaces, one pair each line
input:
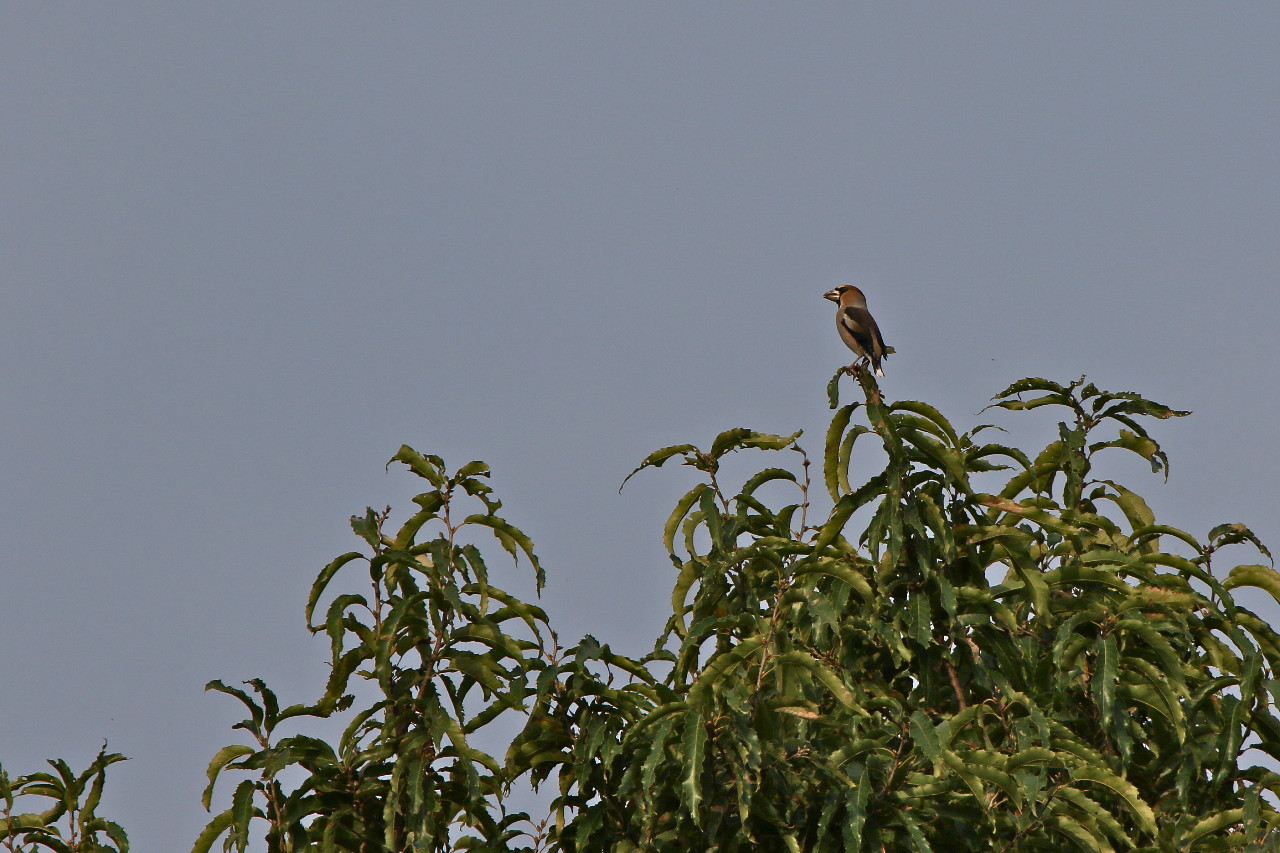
[70,823]
[446,652]
[1039,666]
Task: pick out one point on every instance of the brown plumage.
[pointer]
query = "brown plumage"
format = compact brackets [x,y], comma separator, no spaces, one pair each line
[857,327]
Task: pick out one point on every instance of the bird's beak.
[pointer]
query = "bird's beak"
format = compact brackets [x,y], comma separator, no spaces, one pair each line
[833,294]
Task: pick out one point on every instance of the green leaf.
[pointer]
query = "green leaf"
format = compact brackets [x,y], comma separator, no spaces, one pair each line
[720,665]
[758,479]
[689,574]
[844,508]
[822,673]
[256,711]
[475,468]
[677,515]
[213,831]
[1138,807]
[242,812]
[1044,519]
[1103,682]
[767,441]
[926,737]
[1208,826]
[1231,534]
[988,766]
[833,388]
[220,760]
[1135,509]
[918,841]
[1070,825]
[366,527]
[428,467]
[322,582]
[856,800]
[941,425]
[1139,444]
[919,620]
[511,536]
[834,568]
[1262,577]
[831,467]
[729,440]
[657,457]
[694,750]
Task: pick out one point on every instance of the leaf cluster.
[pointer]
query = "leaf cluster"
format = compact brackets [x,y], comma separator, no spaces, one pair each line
[70,823]
[973,649]
[1026,669]
[439,652]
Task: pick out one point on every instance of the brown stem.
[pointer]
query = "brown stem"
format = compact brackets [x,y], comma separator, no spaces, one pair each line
[804,491]
[955,684]
[783,585]
[973,649]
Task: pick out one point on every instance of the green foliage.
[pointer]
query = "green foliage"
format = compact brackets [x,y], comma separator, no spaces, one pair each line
[442,652]
[1020,669]
[975,649]
[70,823]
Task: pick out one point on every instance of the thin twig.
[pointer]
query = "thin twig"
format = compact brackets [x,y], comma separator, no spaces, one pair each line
[955,684]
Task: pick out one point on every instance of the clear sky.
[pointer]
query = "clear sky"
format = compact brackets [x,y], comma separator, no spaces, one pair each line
[249,249]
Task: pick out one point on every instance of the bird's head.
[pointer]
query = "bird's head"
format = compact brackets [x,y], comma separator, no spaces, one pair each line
[836,294]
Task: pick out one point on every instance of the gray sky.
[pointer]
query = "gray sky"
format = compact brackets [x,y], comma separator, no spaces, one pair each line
[249,250]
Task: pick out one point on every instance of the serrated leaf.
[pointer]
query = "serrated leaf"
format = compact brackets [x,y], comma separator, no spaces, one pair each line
[834,568]
[758,479]
[428,467]
[1231,534]
[1125,790]
[831,468]
[821,672]
[1208,826]
[510,537]
[322,582]
[1262,577]
[932,415]
[926,737]
[213,831]
[220,759]
[693,753]
[833,389]
[475,468]
[242,812]
[657,457]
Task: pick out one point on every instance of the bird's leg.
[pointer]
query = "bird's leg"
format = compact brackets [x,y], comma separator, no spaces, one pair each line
[860,364]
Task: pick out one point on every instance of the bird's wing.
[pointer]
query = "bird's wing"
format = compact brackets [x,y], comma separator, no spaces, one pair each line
[862,326]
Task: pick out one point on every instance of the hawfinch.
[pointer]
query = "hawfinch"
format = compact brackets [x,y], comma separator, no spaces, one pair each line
[857,327]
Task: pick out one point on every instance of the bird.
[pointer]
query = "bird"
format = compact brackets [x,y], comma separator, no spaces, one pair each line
[857,327]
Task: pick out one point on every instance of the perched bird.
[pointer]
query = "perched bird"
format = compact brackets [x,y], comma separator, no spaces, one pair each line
[857,327]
